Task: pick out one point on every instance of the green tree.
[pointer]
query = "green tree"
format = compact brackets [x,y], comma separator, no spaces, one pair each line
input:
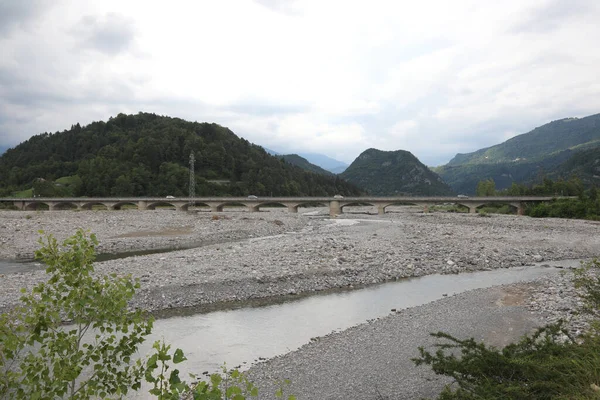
[486,188]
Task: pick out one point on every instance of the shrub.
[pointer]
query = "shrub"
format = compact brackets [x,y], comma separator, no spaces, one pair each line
[550,364]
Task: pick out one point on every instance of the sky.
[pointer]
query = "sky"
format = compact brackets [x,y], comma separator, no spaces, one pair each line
[435,78]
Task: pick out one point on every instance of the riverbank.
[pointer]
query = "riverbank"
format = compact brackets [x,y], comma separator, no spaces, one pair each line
[244,256]
[373,360]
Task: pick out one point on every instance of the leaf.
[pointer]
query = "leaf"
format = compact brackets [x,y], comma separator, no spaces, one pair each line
[179,356]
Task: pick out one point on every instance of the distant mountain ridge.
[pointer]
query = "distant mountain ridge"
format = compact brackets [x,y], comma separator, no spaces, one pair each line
[325,162]
[303,163]
[525,157]
[394,173]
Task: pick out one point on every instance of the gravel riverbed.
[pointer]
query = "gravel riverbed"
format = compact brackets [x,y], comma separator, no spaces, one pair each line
[236,256]
[244,256]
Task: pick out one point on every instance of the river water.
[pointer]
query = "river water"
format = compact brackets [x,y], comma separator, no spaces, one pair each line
[239,337]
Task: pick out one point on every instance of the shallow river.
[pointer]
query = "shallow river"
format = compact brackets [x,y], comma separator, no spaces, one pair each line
[241,336]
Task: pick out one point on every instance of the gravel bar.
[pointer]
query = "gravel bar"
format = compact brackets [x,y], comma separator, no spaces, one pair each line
[244,256]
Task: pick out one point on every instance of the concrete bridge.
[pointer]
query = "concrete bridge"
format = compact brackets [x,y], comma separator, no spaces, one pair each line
[216,204]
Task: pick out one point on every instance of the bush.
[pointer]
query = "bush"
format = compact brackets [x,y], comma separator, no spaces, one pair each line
[550,364]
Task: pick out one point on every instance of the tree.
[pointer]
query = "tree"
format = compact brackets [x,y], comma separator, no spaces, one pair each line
[93,356]
[486,188]
[90,357]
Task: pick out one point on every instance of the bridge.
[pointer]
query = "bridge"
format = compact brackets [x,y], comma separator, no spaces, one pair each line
[252,204]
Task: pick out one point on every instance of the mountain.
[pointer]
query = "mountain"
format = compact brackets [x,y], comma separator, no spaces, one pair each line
[556,136]
[325,162]
[584,164]
[339,170]
[148,155]
[394,173]
[525,157]
[3,149]
[303,163]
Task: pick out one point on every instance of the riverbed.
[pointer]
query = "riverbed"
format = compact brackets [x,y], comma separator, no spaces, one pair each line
[234,259]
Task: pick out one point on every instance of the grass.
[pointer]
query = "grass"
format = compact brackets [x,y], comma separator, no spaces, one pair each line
[68,180]
[24,194]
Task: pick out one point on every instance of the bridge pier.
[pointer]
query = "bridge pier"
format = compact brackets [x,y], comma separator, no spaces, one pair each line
[381,209]
[252,208]
[292,209]
[142,205]
[334,208]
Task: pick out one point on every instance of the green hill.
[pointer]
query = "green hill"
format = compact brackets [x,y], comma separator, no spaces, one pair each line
[148,155]
[524,158]
[303,163]
[393,173]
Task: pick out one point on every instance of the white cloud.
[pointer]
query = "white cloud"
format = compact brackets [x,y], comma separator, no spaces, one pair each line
[335,77]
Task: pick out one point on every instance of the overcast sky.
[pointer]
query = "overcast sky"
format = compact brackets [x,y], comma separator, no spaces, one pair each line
[334,77]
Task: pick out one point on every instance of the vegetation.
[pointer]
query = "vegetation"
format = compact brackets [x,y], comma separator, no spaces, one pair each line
[394,173]
[93,356]
[451,208]
[486,188]
[148,155]
[550,364]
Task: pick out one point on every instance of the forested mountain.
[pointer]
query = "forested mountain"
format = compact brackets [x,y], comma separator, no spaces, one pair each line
[524,158]
[148,155]
[303,163]
[584,164]
[3,149]
[394,173]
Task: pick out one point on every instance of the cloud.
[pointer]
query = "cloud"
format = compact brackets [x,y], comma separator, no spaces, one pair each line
[15,13]
[554,14]
[110,34]
[331,77]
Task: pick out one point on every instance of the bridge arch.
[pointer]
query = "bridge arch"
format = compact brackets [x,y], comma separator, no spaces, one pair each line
[38,205]
[196,204]
[383,207]
[220,206]
[306,204]
[272,204]
[355,204]
[497,207]
[127,204]
[89,205]
[66,205]
[162,204]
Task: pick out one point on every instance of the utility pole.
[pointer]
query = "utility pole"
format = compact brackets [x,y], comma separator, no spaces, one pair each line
[192,179]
